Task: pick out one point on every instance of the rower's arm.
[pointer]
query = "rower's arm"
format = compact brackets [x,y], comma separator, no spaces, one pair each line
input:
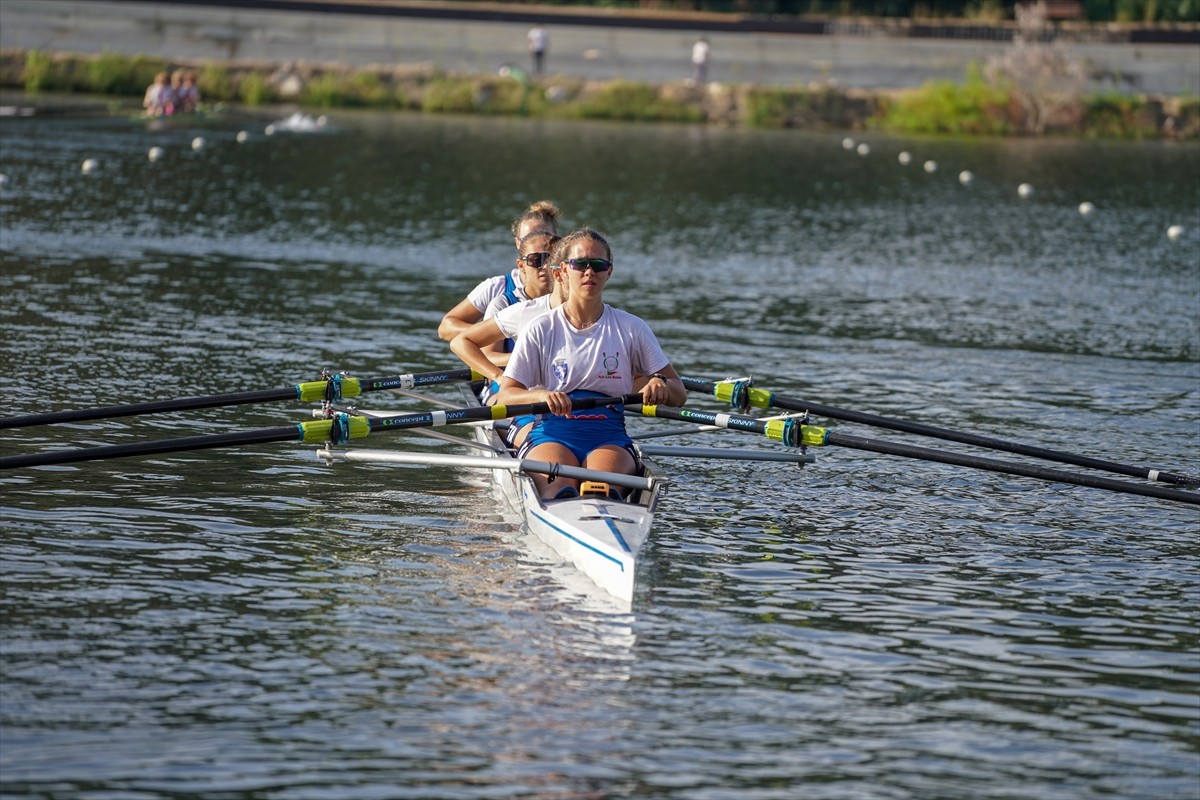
[458,319]
[671,393]
[469,345]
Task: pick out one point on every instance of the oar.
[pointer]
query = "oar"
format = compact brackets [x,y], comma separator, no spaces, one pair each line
[341,428]
[794,433]
[737,393]
[490,462]
[336,387]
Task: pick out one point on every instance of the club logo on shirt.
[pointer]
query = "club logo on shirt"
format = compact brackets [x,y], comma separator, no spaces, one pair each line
[611,364]
[560,370]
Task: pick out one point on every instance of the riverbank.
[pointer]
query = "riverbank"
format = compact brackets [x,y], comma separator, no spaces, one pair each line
[969,107]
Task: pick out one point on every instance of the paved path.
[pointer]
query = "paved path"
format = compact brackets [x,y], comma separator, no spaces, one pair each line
[662,54]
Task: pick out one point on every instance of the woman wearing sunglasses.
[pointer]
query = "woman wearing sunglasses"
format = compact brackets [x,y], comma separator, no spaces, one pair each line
[541,216]
[585,348]
[485,346]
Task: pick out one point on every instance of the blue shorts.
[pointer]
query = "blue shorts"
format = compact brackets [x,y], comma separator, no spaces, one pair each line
[583,432]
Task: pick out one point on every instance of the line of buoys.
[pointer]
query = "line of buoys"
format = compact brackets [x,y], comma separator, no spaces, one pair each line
[966,177]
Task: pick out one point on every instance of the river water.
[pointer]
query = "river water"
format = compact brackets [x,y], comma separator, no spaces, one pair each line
[251,623]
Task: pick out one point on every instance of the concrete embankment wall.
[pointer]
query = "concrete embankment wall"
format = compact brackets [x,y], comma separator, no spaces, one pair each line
[587,44]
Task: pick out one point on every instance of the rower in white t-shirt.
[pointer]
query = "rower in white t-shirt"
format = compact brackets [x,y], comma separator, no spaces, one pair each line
[585,348]
[518,285]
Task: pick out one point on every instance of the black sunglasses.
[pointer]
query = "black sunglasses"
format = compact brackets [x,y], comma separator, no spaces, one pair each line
[536,260]
[594,264]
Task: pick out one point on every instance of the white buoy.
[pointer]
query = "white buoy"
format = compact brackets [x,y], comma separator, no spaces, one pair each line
[1174,232]
[864,149]
[905,157]
[1086,208]
[965,177]
[198,143]
[931,167]
[1025,190]
[90,165]
[242,136]
[270,129]
[847,143]
[155,153]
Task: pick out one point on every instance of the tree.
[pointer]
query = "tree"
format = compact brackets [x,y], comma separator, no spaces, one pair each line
[1037,69]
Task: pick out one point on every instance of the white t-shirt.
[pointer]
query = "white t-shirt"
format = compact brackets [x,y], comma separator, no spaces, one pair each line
[491,288]
[512,319]
[537,39]
[604,358]
[700,52]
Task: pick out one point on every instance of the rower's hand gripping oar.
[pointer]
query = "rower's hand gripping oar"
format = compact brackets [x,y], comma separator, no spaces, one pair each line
[337,430]
[331,388]
[740,394]
[795,432]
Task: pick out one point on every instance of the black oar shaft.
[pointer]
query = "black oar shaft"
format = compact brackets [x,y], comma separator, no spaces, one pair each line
[151,407]
[821,436]
[963,437]
[1009,467]
[310,432]
[159,447]
[305,392]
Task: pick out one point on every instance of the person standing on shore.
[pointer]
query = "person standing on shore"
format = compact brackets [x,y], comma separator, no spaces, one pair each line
[700,51]
[538,39]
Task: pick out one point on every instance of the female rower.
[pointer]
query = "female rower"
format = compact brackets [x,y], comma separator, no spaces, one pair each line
[585,348]
[542,215]
[478,347]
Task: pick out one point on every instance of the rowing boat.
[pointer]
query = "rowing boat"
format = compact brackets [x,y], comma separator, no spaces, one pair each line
[602,537]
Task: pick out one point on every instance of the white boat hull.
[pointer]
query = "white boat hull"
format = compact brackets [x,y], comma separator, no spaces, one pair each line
[600,536]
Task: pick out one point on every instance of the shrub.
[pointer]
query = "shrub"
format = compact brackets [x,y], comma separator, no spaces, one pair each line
[37,69]
[629,101]
[1118,116]
[947,107]
[449,96]
[253,89]
[215,83]
[112,73]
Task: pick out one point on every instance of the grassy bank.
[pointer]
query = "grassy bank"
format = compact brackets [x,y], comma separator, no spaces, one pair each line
[970,107]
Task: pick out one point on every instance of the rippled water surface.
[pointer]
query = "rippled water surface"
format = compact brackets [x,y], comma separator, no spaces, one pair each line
[251,623]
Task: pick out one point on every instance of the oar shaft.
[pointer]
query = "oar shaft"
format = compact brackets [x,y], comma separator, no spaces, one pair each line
[303,392]
[308,432]
[152,407]
[1009,467]
[161,446]
[815,436]
[764,399]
